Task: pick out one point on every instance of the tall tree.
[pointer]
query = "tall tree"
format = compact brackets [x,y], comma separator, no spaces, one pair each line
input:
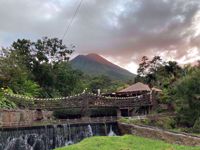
[40,65]
[187,92]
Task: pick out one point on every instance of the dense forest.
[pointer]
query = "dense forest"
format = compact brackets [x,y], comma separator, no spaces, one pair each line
[180,88]
[42,69]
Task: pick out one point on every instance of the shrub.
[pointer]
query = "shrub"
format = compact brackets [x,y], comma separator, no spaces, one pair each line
[196,127]
[4,102]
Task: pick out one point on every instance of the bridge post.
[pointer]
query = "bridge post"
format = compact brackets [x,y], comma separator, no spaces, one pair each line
[39,114]
[119,113]
[132,112]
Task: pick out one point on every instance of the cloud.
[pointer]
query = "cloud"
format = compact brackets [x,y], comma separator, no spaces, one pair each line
[123,30]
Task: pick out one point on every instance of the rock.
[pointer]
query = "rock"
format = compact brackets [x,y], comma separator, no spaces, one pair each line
[31,140]
[39,145]
[17,144]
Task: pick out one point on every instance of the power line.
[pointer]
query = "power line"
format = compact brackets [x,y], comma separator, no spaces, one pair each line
[72,19]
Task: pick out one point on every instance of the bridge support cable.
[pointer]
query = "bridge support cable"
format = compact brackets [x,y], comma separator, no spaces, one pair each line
[72,19]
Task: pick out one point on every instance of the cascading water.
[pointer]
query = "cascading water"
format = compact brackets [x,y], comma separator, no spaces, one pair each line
[111,133]
[90,133]
[69,140]
[50,137]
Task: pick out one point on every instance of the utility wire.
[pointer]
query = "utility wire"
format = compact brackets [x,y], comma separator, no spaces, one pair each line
[72,19]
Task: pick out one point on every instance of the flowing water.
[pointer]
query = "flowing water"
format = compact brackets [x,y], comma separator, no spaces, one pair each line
[111,132]
[50,137]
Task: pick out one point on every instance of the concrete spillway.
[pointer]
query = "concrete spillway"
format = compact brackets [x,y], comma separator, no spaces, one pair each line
[51,136]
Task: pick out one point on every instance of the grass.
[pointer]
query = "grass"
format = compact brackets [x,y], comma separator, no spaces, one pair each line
[126,142]
[166,123]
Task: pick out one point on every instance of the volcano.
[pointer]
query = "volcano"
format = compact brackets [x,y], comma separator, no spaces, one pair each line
[94,65]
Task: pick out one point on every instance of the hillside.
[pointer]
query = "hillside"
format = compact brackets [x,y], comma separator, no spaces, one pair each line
[93,64]
[127,142]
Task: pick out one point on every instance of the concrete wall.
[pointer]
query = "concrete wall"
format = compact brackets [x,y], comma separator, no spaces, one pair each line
[154,133]
[14,118]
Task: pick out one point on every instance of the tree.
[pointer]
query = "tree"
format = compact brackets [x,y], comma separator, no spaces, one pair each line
[50,50]
[14,75]
[148,69]
[99,82]
[187,103]
[154,64]
[39,68]
[104,83]
[67,80]
[143,66]
[4,102]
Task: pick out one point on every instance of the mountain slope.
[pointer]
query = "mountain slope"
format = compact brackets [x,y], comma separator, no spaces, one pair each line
[93,64]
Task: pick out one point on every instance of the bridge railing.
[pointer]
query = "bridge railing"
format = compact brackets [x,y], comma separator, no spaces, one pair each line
[15,124]
[81,100]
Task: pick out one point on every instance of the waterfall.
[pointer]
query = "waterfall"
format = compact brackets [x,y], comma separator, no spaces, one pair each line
[16,144]
[50,136]
[90,133]
[69,139]
[105,129]
[111,133]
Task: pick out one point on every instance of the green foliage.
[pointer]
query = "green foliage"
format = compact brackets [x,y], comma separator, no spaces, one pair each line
[165,122]
[99,82]
[135,121]
[23,86]
[126,142]
[196,127]
[158,73]
[68,81]
[187,104]
[59,80]
[39,69]
[104,83]
[14,74]
[161,74]
[5,103]
[179,87]
[49,50]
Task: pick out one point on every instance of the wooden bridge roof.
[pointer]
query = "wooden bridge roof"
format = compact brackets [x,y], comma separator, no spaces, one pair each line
[136,87]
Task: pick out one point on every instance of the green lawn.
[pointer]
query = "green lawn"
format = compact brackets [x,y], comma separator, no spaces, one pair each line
[127,142]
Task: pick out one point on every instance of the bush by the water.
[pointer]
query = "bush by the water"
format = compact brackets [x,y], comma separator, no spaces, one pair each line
[196,127]
[187,99]
[4,102]
[127,142]
[164,122]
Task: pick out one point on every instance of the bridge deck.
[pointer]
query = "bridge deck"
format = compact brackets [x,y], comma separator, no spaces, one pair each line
[87,120]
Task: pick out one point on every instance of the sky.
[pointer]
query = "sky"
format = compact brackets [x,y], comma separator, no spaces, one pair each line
[120,30]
